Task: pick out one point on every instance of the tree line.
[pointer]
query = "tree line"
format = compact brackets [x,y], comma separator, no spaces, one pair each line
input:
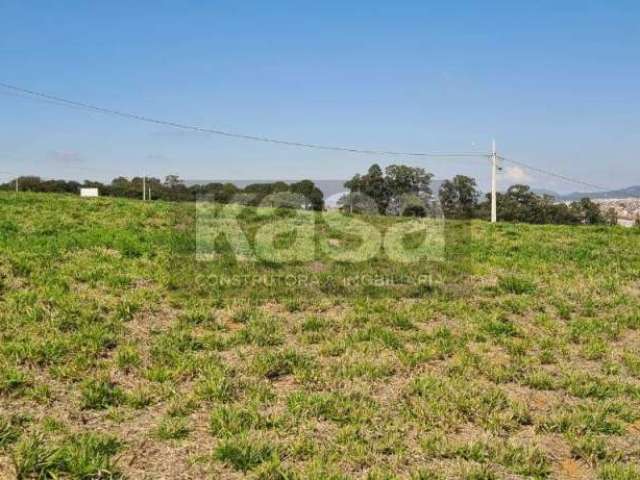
[460,198]
[403,190]
[302,194]
[396,190]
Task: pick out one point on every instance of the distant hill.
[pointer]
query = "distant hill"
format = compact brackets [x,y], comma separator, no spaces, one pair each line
[544,191]
[629,192]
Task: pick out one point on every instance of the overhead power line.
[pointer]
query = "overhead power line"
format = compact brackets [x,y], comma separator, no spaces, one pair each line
[52,99]
[552,174]
[255,138]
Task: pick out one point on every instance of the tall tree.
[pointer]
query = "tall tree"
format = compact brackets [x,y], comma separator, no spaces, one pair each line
[459,197]
[373,185]
[402,179]
[388,188]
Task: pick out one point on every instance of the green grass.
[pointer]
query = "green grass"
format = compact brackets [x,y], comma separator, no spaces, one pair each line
[173,428]
[243,454]
[86,456]
[100,394]
[122,356]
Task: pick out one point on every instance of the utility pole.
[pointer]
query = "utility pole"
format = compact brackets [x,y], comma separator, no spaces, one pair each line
[17,187]
[494,167]
[144,188]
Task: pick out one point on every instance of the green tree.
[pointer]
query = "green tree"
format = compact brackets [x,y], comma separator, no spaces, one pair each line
[588,212]
[459,197]
[388,189]
[172,181]
[562,214]
[402,179]
[313,195]
[372,185]
[520,204]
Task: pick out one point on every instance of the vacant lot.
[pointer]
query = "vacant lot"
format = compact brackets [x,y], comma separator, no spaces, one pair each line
[121,356]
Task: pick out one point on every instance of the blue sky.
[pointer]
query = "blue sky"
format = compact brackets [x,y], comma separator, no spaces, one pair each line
[556,83]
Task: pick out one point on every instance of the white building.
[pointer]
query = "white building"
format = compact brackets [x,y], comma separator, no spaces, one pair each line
[89,192]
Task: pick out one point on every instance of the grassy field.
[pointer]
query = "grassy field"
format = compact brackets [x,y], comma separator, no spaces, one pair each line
[123,356]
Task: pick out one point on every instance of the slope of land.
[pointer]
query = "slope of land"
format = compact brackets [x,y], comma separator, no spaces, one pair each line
[120,355]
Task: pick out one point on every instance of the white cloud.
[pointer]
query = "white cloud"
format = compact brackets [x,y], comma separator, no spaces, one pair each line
[516,174]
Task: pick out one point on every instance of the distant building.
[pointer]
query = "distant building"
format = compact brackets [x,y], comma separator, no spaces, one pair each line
[89,192]
[627,209]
